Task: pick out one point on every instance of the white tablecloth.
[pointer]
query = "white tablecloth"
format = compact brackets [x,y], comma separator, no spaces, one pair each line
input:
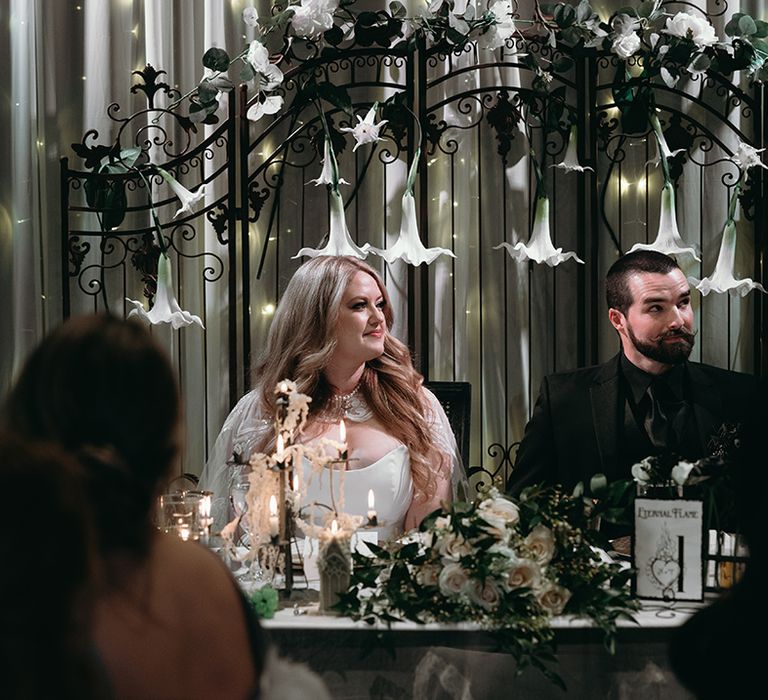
[458,661]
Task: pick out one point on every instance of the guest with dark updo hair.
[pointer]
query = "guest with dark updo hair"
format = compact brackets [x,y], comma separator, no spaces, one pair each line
[168,619]
[46,578]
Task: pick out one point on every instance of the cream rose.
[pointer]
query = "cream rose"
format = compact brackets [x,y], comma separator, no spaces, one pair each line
[687,26]
[453,547]
[541,543]
[485,594]
[553,598]
[524,573]
[498,513]
[453,579]
[626,45]
[428,576]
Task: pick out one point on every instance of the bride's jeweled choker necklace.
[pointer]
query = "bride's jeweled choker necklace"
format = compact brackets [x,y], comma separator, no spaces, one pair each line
[351,406]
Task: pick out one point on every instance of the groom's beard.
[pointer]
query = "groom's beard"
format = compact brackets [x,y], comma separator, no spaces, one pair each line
[671,348]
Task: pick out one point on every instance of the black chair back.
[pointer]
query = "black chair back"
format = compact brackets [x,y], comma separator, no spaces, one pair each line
[456,400]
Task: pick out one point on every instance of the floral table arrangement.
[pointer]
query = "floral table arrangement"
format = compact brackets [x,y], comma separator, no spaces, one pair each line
[509,566]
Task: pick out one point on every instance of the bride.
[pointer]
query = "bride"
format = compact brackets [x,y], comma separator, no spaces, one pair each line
[331,336]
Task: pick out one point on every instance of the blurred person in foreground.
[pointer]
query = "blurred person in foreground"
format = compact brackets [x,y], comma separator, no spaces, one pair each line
[167,618]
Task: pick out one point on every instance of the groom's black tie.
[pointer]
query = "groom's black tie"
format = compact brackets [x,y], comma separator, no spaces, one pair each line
[661,408]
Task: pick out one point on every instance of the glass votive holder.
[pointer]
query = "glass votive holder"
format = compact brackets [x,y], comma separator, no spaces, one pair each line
[179,514]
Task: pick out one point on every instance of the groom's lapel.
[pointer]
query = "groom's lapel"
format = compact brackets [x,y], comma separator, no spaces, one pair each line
[707,404]
[604,396]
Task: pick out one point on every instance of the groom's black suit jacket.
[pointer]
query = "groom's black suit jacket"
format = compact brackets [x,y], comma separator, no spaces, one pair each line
[577,422]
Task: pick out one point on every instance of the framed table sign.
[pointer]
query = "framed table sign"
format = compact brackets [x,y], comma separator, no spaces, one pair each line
[667,549]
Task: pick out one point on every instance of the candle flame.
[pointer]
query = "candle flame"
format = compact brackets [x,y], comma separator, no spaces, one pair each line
[334,527]
[272,505]
[296,483]
[342,431]
[280,447]
[370,499]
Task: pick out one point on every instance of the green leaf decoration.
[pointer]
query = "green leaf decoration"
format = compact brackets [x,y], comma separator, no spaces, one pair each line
[583,11]
[246,72]
[216,59]
[761,29]
[747,25]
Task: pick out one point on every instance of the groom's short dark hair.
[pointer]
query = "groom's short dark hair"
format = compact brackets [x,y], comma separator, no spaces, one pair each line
[617,292]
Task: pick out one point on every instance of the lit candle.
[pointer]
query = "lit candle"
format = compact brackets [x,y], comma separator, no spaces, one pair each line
[296,483]
[372,520]
[280,455]
[343,441]
[274,523]
[334,527]
[184,532]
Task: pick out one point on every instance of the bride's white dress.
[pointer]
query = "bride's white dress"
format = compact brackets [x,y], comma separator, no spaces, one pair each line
[390,479]
[389,476]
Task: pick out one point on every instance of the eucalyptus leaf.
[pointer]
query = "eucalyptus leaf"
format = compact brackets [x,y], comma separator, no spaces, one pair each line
[583,11]
[747,25]
[732,28]
[397,9]
[645,9]
[246,72]
[216,59]
[700,63]
[669,80]
[206,92]
[598,483]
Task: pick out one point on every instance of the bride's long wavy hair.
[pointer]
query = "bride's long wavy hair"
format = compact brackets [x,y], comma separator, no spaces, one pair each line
[301,343]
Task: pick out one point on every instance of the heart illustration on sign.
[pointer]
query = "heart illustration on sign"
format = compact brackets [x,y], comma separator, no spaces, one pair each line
[665,571]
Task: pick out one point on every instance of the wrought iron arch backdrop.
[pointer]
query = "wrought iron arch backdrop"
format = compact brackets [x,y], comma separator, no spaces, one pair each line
[481,317]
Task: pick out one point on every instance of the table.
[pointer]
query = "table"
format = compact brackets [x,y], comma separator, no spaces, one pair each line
[459,661]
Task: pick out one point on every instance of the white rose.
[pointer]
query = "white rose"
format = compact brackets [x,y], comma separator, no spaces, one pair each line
[443,522]
[626,45]
[640,472]
[697,29]
[681,471]
[313,17]
[453,547]
[524,573]
[251,16]
[486,594]
[498,513]
[553,598]
[541,543]
[453,579]
[622,24]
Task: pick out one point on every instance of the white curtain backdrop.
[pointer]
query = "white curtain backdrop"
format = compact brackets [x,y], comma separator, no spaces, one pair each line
[67,61]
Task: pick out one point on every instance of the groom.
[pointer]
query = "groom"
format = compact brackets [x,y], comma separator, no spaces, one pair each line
[646,400]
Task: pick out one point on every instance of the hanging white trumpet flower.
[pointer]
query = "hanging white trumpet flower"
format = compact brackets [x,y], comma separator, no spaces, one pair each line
[187,198]
[539,248]
[723,278]
[365,131]
[570,162]
[408,246]
[339,240]
[326,174]
[668,240]
[165,309]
